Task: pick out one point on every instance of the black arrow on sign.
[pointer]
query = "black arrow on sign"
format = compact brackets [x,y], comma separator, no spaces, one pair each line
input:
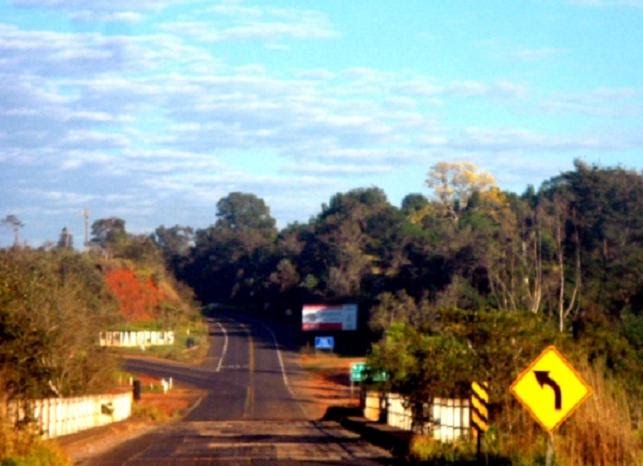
[543,379]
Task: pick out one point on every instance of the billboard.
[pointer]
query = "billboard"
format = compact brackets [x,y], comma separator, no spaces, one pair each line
[329,317]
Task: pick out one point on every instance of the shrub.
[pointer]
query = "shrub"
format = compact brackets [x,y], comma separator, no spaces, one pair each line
[149,412]
[22,447]
[52,306]
[426,449]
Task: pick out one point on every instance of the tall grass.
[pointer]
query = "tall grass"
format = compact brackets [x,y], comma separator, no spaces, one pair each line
[22,447]
[601,432]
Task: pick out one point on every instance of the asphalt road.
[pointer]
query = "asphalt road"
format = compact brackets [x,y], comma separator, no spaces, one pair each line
[250,414]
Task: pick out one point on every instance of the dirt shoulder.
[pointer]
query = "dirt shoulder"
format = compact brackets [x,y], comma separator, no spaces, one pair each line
[321,381]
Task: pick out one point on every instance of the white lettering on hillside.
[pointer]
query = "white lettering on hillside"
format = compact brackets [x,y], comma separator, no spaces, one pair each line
[142,338]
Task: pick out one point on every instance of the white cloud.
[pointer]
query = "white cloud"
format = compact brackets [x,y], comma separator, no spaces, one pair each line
[64,198]
[235,22]
[90,16]
[96,5]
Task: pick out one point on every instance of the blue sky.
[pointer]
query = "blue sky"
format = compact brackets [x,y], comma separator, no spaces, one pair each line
[152,110]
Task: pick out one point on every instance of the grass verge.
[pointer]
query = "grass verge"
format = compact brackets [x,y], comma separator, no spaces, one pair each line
[23,447]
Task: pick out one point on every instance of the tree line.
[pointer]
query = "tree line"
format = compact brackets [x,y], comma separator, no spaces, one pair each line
[566,258]
[570,251]
[468,276]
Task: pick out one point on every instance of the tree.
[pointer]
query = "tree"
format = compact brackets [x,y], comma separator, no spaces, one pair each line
[505,234]
[13,222]
[174,241]
[109,233]
[66,239]
[52,306]
[595,219]
[245,212]
[340,249]
[453,183]
[413,203]
[565,232]
[231,259]
[431,351]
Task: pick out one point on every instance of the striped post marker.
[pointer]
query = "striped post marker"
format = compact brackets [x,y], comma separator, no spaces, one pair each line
[479,411]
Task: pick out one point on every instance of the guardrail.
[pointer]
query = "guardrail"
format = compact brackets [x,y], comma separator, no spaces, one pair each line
[62,416]
[447,419]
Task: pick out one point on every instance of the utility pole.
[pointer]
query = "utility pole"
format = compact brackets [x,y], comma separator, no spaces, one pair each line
[86,219]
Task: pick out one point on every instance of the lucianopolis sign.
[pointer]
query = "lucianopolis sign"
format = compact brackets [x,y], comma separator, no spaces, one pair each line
[141,338]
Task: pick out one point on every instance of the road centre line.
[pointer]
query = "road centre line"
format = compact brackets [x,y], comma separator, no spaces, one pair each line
[280,358]
[250,394]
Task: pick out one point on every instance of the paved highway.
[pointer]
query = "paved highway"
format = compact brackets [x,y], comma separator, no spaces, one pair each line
[249,415]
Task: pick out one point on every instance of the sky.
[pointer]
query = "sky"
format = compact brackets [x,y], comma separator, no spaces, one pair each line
[153,110]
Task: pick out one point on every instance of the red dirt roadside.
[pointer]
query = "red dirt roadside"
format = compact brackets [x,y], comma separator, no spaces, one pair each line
[324,382]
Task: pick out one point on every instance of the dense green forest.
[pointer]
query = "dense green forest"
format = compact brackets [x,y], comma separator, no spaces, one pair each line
[571,250]
[570,253]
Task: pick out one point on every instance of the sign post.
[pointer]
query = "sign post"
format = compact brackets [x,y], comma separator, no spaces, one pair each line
[550,389]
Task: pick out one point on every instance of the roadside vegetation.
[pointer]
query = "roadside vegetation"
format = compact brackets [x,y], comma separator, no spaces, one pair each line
[54,301]
[24,447]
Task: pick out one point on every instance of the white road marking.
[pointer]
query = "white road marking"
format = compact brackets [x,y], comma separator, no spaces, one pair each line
[193,407]
[280,359]
[225,347]
[274,341]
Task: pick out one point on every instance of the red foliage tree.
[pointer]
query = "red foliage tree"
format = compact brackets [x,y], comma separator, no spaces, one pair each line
[138,299]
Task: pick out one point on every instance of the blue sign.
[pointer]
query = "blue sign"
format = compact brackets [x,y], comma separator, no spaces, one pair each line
[325,343]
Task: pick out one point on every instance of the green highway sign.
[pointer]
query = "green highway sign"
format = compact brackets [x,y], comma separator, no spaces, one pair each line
[381,376]
[358,372]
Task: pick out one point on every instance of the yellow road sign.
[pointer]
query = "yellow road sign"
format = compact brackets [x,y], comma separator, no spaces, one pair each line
[480,406]
[550,389]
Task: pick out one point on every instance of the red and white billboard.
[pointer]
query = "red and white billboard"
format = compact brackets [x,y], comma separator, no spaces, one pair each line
[329,317]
